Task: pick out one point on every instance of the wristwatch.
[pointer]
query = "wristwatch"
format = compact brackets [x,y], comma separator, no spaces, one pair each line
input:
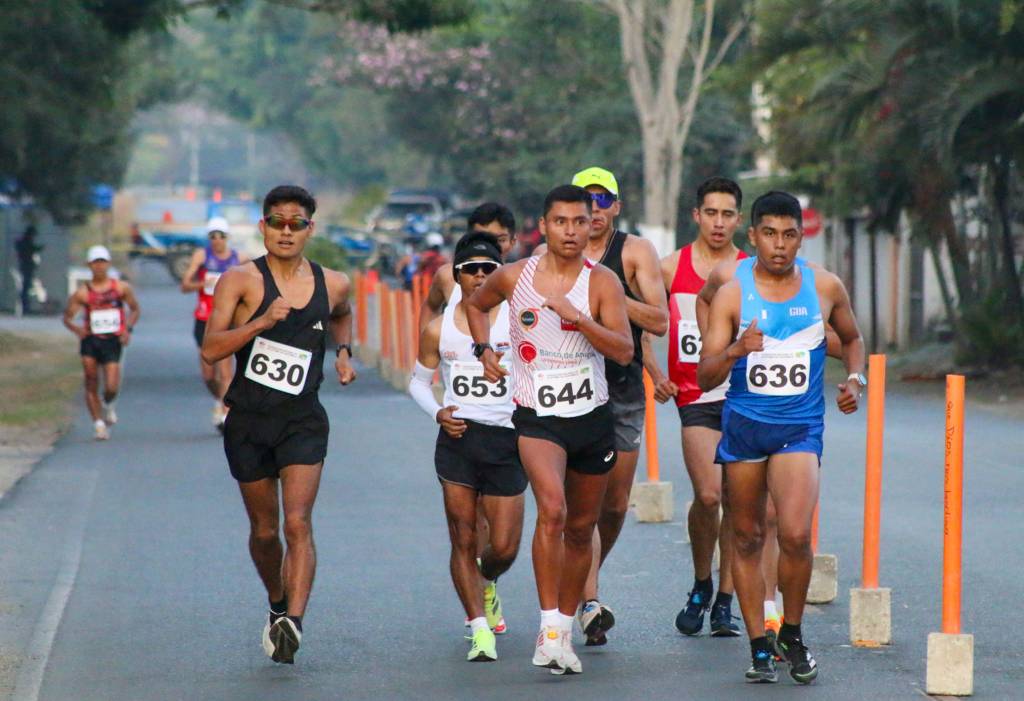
[343,346]
[479,348]
[859,377]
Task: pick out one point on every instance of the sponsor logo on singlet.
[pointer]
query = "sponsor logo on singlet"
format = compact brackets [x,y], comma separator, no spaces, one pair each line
[450,355]
[502,347]
[527,352]
[528,318]
[798,311]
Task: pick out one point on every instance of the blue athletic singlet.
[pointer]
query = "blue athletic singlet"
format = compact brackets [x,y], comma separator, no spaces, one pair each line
[784,383]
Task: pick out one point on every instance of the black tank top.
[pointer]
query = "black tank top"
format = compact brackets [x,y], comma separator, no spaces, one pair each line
[632,373]
[303,329]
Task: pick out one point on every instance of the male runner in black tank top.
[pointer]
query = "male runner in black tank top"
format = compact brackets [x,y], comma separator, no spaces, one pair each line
[635,261]
[274,313]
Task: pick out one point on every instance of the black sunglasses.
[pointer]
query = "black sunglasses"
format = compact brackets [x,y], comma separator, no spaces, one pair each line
[276,221]
[475,267]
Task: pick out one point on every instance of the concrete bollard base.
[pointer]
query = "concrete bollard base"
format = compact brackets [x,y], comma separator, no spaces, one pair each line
[399,379]
[870,617]
[367,356]
[950,664]
[653,501]
[824,585]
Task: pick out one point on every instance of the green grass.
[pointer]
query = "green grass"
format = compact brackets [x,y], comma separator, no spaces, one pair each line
[39,379]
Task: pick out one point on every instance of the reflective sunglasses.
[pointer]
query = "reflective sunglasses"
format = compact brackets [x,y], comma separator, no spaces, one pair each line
[217,235]
[604,200]
[276,221]
[474,267]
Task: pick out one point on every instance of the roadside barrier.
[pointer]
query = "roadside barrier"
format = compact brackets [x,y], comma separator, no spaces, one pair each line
[950,666]
[652,499]
[824,586]
[870,605]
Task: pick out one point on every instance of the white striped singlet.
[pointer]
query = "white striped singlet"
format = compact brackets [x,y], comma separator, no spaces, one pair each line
[542,341]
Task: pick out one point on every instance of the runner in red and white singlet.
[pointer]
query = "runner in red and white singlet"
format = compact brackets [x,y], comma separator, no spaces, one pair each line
[717,215]
[107,328]
[566,316]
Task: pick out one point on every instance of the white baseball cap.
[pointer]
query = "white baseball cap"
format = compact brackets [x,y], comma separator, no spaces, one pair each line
[97,253]
[433,239]
[218,224]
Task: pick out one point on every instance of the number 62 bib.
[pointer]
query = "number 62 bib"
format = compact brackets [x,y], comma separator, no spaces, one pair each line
[778,373]
[564,391]
[278,365]
[688,341]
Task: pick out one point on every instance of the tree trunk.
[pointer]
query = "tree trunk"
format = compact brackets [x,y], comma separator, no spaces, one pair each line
[1000,192]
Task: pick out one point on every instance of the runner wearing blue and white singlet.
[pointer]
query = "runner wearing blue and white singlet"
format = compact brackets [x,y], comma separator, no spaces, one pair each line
[566,316]
[766,332]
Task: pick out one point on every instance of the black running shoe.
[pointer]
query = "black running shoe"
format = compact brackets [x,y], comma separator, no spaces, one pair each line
[722,625]
[690,620]
[802,666]
[285,638]
[762,669]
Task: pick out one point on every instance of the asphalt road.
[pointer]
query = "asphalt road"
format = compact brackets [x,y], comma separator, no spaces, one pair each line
[124,572]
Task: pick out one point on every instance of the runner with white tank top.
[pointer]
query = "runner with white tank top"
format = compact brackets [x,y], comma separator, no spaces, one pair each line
[566,316]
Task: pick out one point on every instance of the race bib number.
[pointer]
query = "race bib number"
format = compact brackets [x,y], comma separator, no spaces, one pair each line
[688,343]
[105,321]
[470,386]
[778,373]
[278,366]
[210,282]
[565,391]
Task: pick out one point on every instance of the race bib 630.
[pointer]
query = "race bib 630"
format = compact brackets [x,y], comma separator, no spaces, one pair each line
[278,366]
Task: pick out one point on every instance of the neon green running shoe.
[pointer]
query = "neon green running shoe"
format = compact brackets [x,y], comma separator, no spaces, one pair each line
[482,648]
[492,609]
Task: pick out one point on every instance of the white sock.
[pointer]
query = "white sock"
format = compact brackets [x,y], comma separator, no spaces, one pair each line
[550,617]
[478,624]
[565,622]
[99,422]
[769,609]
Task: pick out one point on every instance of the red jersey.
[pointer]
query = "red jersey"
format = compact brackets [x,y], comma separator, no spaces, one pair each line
[209,272]
[684,336]
[104,311]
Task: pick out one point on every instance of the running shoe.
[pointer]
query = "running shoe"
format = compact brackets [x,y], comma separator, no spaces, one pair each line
[492,609]
[268,647]
[567,662]
[100,429]
[482,647]
[690,620]
[802,666]
[109,415]
[772,625]
[285,638]
[591,622]
[762,669]
[722,625]
[549,647]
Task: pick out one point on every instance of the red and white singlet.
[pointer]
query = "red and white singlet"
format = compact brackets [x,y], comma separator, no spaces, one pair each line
[104,312]
[556,371]
[684,336]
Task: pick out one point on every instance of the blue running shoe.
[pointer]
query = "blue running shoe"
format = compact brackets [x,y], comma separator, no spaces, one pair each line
[690,620]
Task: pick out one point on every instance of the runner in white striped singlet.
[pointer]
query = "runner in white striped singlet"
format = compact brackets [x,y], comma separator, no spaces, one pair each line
[565,316]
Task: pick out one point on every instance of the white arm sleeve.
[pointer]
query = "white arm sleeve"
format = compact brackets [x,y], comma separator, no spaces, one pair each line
[421,390]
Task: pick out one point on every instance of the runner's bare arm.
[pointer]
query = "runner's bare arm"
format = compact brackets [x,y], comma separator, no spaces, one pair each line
[189,283]
[719,275]
[341,322]
[719,352]
[496,289]
[664,388]
[134,311]
[429,355]
[845,324]
[221,340]
[440,290]
[71,310]
[652,313]
[608,332]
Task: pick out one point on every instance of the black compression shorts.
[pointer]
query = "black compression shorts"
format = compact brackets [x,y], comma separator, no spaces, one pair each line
[485,459]
[259,445]
[588,440]
[105,349]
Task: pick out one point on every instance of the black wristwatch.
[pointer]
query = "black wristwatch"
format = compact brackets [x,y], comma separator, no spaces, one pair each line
[346,347]
[479,348]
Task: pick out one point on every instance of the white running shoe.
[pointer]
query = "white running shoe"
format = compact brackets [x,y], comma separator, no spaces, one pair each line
[568,662]
[217,414]
[100,428]
[109,415]
[549,647]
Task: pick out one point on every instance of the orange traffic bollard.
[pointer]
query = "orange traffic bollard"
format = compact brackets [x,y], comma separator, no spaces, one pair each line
[873,471]
[650,430]
[385,323]
[954,504]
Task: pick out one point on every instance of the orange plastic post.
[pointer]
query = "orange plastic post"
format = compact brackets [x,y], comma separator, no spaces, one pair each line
[372,278]
[650,430]
[417,291]
[952,540]
[814,529]
[409,334]
[362,313]
[873,470]
[385,322]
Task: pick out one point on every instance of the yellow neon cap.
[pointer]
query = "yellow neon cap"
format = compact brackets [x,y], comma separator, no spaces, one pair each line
[597,176]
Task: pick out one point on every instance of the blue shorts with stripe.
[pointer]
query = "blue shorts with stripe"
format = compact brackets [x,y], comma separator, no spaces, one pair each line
[747,440]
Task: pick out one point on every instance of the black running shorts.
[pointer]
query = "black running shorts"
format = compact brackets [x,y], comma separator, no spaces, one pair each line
[588,440]
[198,331]
[708,415]
[485,458]
[105,349]
[259,445]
